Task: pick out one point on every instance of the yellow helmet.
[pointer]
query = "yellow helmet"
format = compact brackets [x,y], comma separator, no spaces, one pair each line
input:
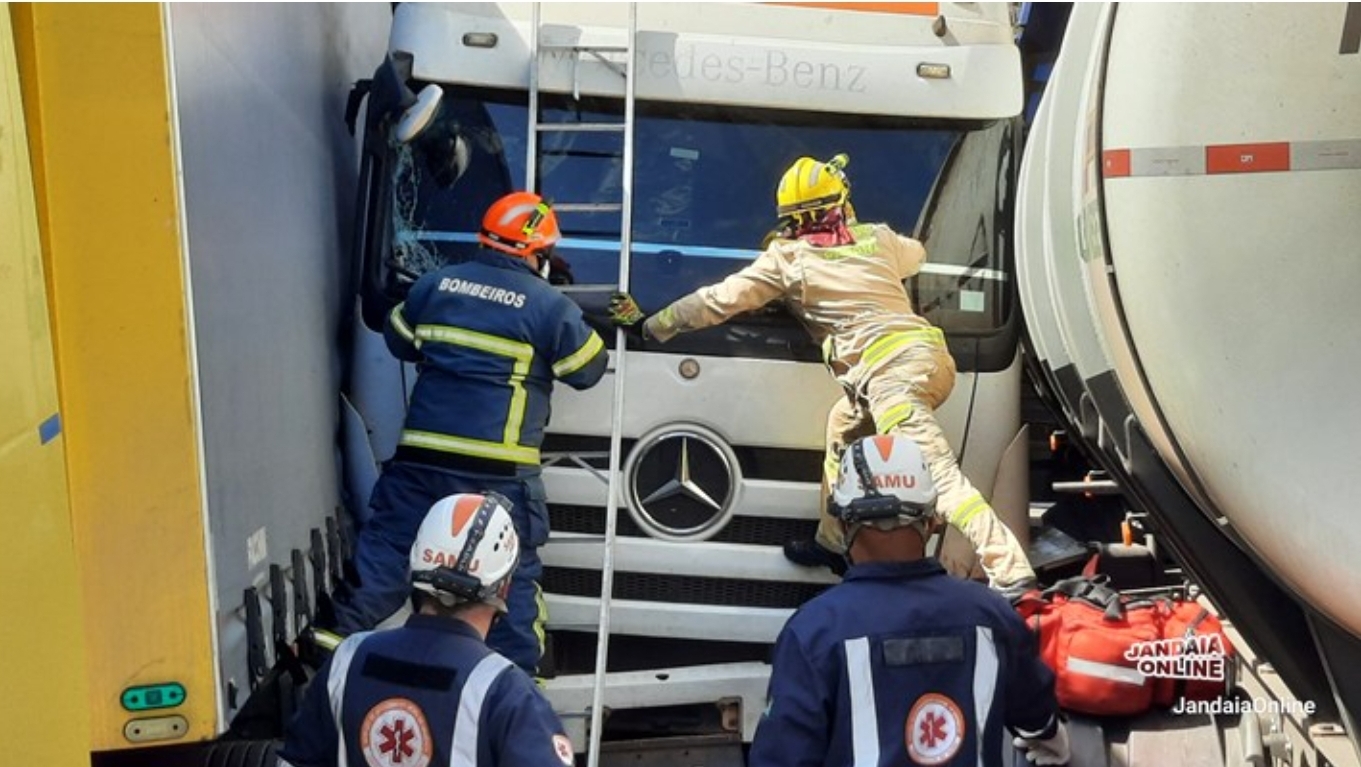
[811,186]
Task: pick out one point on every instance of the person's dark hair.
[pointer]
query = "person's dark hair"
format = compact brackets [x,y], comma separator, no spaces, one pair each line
[419,599]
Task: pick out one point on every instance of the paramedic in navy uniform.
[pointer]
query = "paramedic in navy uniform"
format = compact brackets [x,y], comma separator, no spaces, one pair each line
[900,663]
[431,693]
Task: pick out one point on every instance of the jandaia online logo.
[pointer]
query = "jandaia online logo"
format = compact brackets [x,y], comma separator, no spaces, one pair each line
[1200,657]
[1203,658]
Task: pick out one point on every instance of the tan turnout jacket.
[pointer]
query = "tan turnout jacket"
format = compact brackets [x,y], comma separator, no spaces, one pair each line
[851,298]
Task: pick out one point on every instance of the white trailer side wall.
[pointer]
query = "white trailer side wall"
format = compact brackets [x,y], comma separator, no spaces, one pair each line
[268,185]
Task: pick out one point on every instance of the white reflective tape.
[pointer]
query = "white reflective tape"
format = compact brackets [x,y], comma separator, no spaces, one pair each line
[335,687]
[464,747]
[864,716]
[1121,674]
[985,667]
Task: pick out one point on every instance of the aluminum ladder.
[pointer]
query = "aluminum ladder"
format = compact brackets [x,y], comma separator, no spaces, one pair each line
[627,70]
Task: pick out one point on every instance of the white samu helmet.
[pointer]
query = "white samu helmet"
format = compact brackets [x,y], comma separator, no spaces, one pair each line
[884,481]
[466,550]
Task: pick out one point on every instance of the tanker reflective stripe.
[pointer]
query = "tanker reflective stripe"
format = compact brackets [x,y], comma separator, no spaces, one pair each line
[893,416]
[399,324]
[968,510]
[335,687]
[864,716]
[463,749]
[985,668]
[1226,159]
[521,355]
[578,359]
[892,342]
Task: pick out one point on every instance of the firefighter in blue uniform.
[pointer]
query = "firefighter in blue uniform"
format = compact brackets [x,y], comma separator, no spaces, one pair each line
[432,692]
[900,663]
[490,336]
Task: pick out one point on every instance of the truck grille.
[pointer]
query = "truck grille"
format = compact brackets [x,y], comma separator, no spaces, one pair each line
[651,587]
[763,531]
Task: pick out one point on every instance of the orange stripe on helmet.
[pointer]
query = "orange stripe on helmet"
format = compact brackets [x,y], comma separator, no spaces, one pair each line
[465,509]
[884,444]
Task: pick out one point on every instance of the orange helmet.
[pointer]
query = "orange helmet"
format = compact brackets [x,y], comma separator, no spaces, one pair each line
[520,224]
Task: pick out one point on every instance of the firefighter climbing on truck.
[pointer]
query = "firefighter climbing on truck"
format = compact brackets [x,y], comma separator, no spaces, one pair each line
[844,280]
[490,336]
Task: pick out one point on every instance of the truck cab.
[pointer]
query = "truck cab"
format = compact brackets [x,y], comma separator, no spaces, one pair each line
[722,430]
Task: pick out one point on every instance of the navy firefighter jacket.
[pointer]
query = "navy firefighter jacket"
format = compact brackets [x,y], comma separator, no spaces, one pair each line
[430,693]
[902,664]
[491,336]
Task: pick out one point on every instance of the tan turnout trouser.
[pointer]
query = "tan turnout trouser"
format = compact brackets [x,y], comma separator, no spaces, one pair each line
[901,398]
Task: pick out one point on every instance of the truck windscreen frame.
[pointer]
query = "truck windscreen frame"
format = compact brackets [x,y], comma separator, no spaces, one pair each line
[704,200]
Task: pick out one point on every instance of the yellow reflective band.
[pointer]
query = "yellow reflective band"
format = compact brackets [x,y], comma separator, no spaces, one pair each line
[892,342]
[578,359]
[326,640]
[399,324]
[967,511]
[507,347]
[540,617]
[831,467]
[666,318]
[474,447]
[892,417]
[519,351]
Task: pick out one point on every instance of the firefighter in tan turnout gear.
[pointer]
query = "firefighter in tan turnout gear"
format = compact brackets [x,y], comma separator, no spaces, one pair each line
[844,280]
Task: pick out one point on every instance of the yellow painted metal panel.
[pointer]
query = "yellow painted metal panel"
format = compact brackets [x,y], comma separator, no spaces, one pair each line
[96,86]
[42,711]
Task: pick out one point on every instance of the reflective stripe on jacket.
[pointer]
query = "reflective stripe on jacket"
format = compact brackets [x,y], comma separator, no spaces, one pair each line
[934,680]
[492,337]
[851,298]
[431,690]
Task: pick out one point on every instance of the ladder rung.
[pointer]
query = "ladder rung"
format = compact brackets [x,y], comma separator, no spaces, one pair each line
[580,127]
[588,207]
[584,48]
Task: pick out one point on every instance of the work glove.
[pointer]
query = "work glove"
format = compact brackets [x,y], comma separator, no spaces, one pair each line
[1053,750]
[624,312]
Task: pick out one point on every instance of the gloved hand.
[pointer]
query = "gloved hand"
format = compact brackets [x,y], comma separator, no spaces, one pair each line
[1053,750]
[624,311]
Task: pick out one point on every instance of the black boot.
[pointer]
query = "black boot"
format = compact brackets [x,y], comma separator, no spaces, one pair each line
[809,553]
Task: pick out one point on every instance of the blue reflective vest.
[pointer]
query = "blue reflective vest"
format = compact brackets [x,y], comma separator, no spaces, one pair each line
[491,337]
[429,693]
[902,664]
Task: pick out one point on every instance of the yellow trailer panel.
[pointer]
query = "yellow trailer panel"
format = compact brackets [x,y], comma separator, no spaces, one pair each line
[98,103]
[42,712]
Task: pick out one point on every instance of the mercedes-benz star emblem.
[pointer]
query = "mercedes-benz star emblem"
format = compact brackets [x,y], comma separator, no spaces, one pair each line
[681,483]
